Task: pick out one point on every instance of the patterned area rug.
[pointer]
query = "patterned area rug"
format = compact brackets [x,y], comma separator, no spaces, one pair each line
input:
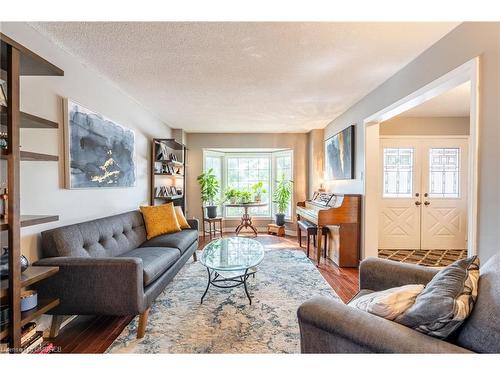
[432,258]
[225,322]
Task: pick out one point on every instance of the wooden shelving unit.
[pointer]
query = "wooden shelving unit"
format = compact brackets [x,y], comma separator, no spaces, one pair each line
[16,60]
[28,121]
[171,146]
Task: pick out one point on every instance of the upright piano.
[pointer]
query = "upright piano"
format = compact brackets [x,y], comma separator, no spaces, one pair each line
[342,213]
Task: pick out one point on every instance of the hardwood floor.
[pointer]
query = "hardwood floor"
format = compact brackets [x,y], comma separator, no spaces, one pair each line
[94,334]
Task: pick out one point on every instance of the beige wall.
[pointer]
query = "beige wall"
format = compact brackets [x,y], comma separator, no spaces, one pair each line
[426,126]
[315,163]
[196,142]
[42,189]
[462,44]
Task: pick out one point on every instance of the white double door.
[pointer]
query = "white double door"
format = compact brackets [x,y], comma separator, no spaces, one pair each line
[424,193]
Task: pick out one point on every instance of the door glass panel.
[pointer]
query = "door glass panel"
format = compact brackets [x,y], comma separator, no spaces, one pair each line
[398,172]
[444,172]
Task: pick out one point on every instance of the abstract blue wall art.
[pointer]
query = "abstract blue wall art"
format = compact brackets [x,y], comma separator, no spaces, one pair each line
[339,155]
[99,152]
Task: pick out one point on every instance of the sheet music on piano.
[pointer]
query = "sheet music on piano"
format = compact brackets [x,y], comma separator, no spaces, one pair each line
[327,199]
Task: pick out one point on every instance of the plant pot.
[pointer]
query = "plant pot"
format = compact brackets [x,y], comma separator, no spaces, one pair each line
[211,212]
[280,219]
[233,200]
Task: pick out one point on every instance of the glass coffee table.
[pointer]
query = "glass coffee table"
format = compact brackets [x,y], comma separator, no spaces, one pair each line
[231,261]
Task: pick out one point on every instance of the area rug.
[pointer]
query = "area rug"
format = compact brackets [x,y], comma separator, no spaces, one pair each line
[225,322]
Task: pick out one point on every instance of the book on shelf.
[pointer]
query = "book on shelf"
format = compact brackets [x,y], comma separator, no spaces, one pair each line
[33,343]
[27,332]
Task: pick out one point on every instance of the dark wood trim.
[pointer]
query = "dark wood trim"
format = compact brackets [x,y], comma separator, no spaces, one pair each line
[29,277]
[14,215]
[30,64]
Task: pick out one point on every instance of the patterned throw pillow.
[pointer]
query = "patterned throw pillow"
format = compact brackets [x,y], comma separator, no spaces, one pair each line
[390,303]
[446,301]
[160,220]
[181,218]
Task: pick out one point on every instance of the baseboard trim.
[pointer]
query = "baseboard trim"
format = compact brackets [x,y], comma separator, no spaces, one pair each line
[262,230]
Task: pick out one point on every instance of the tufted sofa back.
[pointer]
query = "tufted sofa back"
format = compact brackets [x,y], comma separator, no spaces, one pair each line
[105,237]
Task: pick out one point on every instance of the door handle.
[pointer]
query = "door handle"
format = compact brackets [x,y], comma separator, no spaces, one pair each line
[418,203]
[427,203]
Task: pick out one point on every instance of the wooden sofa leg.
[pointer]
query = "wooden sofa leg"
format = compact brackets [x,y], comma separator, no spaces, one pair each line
[143,321]
[195,257]
[55,325]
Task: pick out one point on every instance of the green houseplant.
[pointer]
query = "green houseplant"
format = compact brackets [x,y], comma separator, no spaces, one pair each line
[245,196]
[232,195]
[209,187]
[281,196]
[258,190]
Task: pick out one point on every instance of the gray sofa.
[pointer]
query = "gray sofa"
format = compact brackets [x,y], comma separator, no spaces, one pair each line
[327,326]
[108,267]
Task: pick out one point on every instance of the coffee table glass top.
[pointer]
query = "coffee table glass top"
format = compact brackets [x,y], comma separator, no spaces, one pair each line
[232,254]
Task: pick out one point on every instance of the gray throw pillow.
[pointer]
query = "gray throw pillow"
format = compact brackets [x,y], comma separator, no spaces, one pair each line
[446,301]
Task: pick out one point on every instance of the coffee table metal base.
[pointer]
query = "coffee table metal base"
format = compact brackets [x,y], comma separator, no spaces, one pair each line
[218,280]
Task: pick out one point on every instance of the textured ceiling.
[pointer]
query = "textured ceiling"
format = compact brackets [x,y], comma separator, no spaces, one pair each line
[453,103]
[246,77]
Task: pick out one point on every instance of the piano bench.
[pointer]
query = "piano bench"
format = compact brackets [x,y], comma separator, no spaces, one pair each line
[311,230]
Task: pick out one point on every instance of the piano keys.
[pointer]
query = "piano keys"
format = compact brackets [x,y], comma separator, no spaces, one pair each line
[343,212]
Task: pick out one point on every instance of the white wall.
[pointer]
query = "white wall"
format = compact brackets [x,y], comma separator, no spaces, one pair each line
[462,44]
[426,126]
[42,190]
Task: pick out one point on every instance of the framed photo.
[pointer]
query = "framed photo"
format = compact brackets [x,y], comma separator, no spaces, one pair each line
[339,155]
[99,153]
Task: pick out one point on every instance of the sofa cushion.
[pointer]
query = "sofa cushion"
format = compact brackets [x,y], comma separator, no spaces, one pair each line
[180,240]
[446,301]
[155,261]
[160,220]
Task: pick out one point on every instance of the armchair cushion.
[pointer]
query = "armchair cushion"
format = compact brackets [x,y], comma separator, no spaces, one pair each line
[390,303]
[155,261]
[446,301]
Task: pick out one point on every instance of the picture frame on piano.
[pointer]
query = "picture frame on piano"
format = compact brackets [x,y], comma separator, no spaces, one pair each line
[340,155]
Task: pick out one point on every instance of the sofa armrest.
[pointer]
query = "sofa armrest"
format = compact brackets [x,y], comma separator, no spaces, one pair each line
[193,223]
[327,326]
[94,286]
[380,274]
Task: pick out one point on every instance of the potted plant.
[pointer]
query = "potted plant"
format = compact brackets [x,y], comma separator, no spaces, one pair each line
[232,195]
[281,197]
[209,187]
[245,196]
[258,190]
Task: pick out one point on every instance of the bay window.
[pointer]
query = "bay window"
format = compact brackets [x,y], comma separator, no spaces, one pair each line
[241,170]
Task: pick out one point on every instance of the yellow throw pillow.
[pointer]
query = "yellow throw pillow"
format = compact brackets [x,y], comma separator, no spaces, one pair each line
[160,220]
[181,218]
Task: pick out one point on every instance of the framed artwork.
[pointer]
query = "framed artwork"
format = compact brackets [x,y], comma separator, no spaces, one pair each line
[339,155]
[99,153]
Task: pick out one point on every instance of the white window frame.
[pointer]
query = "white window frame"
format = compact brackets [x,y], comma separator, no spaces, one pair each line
[272,155]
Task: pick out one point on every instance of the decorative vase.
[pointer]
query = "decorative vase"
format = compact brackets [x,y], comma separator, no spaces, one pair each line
[258,198]
[211,212]
[4,263]
[233,200]
[280,219]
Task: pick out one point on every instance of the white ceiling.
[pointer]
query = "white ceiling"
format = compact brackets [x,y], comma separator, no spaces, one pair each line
[246,77]
[453,103]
